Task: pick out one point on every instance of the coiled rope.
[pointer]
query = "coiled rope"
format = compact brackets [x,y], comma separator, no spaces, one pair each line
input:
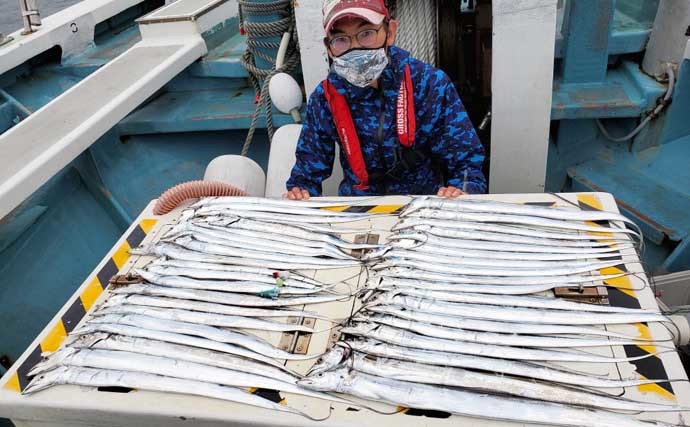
[256,48]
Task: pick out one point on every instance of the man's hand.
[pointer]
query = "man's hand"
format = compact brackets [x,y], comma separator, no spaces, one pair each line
[450,192]
[297,194]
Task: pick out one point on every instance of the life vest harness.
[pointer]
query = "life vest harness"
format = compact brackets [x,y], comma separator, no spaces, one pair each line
[345,126]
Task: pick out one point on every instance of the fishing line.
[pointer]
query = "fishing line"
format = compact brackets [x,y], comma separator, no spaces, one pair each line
[309,417]
[350,368]
[354,314]
[350,285]
[645,283]
[564,369]
[667,327]
[564,199]
[637,228]
[340,324]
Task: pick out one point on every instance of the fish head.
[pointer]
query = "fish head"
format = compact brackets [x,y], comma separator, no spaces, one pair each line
[178,230]
[381,298]
[46,380]
[428,213]
[380,274]
[376,253]
[398,272]
[381,265]
[187,214]
[112,301]
[87,340]
[379,309]
[374,281]
[403,224]
[53,361]
[353,344]
[360,318]
[223,221]
[202,202]
[410,225]
[146,275]
[407,241]
[183,240]
[159,262]
[415,205]
[332,358]
[362,345]
[333,380]
[107,317]
[110,309]
[361,329]
[143,250]
[85,329]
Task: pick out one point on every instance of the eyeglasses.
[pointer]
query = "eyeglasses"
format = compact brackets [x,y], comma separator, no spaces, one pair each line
[366,38]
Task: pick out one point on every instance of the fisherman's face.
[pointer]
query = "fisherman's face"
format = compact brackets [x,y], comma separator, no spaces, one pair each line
[356,33]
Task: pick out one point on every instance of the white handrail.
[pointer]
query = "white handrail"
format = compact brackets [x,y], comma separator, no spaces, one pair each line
[30,16]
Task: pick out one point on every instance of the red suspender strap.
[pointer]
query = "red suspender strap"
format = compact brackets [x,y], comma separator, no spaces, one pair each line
[342,118]
[349,140]
[405,114]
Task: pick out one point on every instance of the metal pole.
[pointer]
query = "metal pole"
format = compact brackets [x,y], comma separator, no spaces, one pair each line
[35,16]
[669,37]
[524,36]
[30,16]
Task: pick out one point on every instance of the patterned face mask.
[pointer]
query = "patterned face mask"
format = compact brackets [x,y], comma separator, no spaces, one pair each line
[361,67]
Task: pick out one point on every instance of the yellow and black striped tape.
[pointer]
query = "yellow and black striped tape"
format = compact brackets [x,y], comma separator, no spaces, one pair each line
[69,320]
[621,294]
[272,395]
[377,209]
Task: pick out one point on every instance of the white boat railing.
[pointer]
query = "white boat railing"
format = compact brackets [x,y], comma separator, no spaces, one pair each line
[31,17]
[39,146]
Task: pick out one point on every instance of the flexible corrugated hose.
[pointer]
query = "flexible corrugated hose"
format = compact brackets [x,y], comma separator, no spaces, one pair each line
[175,196]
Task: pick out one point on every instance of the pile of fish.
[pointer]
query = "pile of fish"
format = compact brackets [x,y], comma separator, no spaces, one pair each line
[457,314]
[225,271]
[457,317]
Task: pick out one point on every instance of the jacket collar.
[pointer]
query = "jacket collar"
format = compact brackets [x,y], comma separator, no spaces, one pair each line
[391,77]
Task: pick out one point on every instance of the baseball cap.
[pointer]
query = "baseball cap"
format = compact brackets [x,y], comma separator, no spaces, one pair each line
[373,11]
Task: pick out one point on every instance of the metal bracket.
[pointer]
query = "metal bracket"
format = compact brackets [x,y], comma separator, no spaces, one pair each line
[288,338]
[4,40]
[371,239]
[304,339]
[595,295]
[333,338]
[297,342]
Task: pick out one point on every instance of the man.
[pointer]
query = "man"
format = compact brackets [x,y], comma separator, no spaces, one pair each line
[399,122]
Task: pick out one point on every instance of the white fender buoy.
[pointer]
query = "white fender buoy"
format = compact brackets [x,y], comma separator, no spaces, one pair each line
[282,159]
[286,95]
[238,171]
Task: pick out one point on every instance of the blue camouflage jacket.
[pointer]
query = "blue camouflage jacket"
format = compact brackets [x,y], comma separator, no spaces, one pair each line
[444,133]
